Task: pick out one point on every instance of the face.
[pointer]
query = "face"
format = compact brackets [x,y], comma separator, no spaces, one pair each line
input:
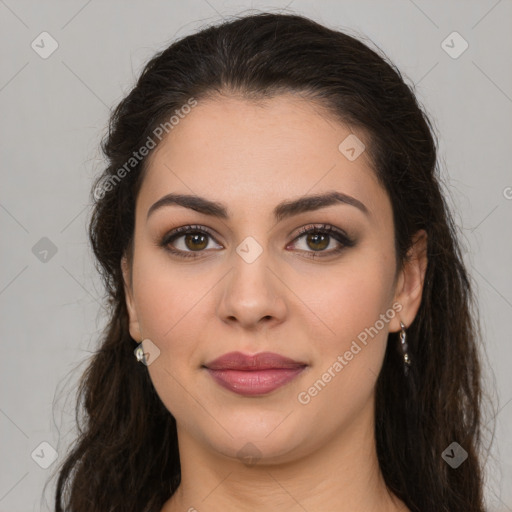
[252,281]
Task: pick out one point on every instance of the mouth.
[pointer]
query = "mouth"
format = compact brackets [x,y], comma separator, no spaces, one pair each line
[253,375]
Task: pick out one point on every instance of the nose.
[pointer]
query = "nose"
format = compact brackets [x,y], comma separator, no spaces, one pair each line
[253,294]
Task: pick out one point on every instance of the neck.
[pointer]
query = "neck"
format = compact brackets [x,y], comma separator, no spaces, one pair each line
[343,475]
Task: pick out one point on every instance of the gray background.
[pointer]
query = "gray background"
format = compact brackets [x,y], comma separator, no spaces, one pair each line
[54,112]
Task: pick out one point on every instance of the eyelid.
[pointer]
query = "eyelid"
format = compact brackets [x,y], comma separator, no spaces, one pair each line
[323,227]
[339,235]
[183,230]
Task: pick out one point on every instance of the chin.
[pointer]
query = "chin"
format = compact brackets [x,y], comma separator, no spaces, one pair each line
[264,441]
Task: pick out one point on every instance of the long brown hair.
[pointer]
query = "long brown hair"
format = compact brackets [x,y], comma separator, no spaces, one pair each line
[126,455]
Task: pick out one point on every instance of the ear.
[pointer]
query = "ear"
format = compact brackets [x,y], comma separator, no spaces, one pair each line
[130,302]
[409,287]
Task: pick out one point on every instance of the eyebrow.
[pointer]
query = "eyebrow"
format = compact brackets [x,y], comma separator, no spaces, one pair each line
[281,211]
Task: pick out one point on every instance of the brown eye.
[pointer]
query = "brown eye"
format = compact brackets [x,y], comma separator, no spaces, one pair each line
[186,240]
[318,238]
[318,241]
[196,241]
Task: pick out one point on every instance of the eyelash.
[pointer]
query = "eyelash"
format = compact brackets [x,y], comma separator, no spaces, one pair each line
[327,229]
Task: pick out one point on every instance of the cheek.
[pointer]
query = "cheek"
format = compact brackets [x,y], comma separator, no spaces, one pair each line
[168,295]
[349,354]
[345,300]
[169,302]
[176,312]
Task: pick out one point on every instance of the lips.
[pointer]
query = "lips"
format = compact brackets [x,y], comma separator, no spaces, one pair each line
[261,361]
[253,375]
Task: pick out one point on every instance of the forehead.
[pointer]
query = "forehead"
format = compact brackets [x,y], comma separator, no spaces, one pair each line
[252,155]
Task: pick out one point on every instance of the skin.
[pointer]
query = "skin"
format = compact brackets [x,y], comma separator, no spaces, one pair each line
[319,456]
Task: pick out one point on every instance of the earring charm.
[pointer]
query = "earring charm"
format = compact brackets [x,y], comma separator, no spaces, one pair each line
[139,353]
[404,347]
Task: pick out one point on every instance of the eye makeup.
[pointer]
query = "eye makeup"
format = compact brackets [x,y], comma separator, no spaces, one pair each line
[198,234]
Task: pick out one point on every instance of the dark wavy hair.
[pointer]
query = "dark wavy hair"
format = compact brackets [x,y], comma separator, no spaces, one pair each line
[125,457]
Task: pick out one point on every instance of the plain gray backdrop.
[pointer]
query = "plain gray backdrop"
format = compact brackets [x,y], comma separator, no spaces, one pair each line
[54,110]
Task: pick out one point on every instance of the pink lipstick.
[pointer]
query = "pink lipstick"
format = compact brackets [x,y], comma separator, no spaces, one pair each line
[253,375]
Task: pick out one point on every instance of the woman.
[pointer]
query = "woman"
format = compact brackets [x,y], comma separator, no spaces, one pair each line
[291,320]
